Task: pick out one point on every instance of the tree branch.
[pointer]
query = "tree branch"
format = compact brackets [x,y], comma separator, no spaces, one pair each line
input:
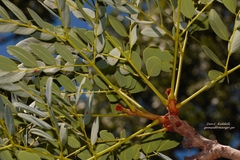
[210,149]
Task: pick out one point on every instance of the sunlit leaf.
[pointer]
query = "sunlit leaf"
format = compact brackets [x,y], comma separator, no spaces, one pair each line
[44,54]
[49,83]
[31,109]
[164,156]
[66,83]
[217,25]
[6,64]
[23,155]
[64,52]
[214,74]
[41,133]
[117,26]
[12,77]
[94,131]
[24,30]
[9,122]
[78,95]
[43,36]
[63,134]
[153,32]
[231,5]
[212,56]
[153,66]
[234,43]
[84,13]
[35,120]
[187,8]
[88,109]
[100,43]
[114,54]
[24,56]
[134,35]
[7,27]
[16,11]
[4,13]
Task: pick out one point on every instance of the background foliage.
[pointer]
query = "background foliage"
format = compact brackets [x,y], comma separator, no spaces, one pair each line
[58,96]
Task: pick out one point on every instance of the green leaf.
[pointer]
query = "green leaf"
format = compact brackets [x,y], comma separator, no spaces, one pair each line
[41,133]
[231,5]
[113,57]
[94,131]
[35,121]
[151,143]
[66,18]
[153,32]
[63,134]
[16,11]
[7,27]
[217,25]
[43,53]
[153,66]
[87,83]
[107,136]
[36,18]
[167,144]
[4,13]
[73,142]
[234,43]
[2,112]
[117,26]
[212,56]
[88,110]
[66,83]
[129,152]
[85,154]
[112,97]
[187,8]
[100,148]
[9,122]
[6,64]
[44,152]
[214,74]
[29,108]
[23,155]
[136,59]
[121,79]
[164,156]
[100,82]
[5,155]
[64,52]
[24,56]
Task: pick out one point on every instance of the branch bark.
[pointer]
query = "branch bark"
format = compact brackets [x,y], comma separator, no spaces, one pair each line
[210,149]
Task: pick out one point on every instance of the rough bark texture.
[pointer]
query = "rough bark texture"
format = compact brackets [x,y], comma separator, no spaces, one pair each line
[210,149]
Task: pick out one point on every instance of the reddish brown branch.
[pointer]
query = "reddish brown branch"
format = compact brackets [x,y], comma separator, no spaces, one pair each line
[210,149]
